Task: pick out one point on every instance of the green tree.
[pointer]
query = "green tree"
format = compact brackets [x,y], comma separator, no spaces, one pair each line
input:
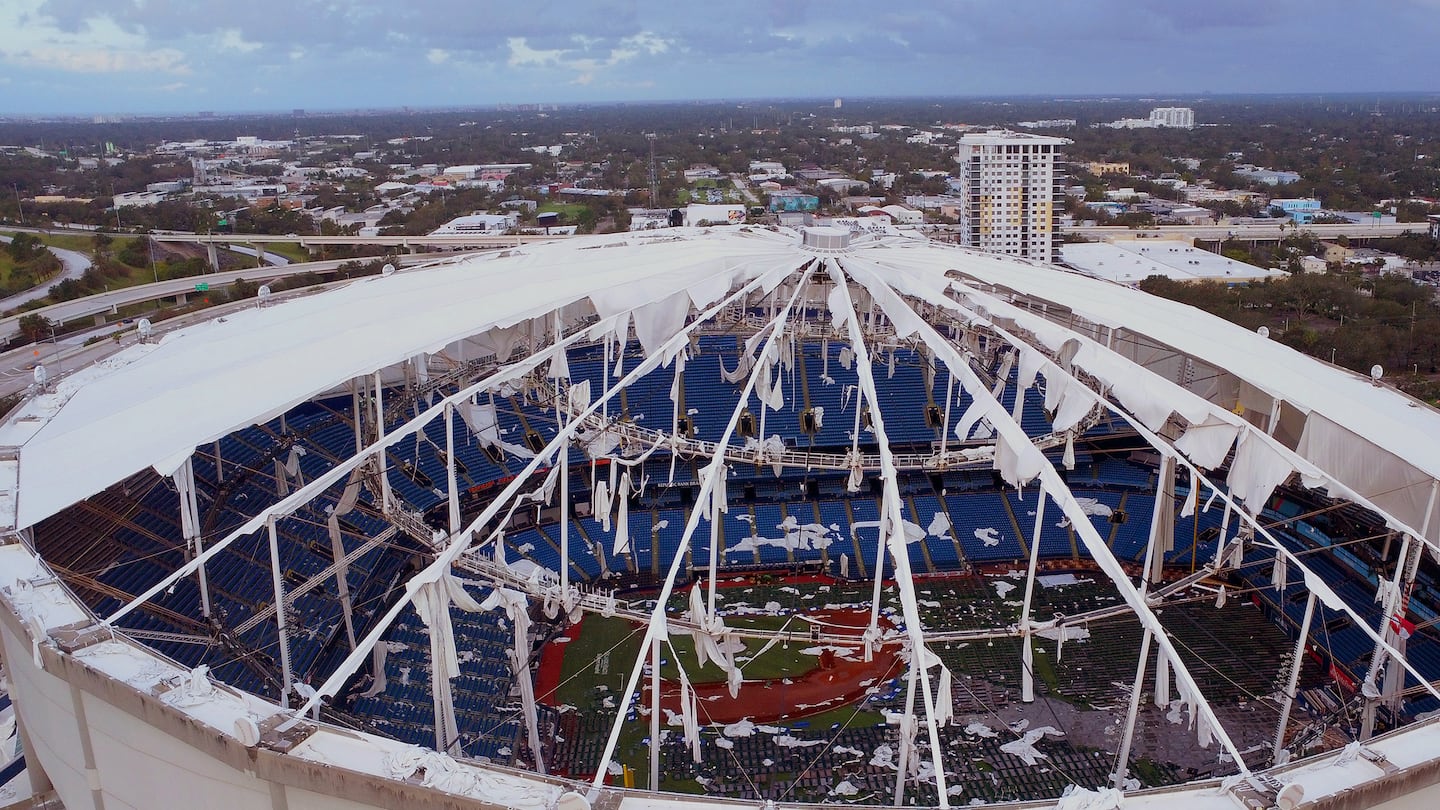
[35,327]
[24,247]
[101,244]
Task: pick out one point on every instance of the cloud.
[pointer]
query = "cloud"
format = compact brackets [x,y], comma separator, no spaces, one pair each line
[646,41]
[97,44]
[521,54]
[306,53]
[230,39]
[77,60]
[588,57]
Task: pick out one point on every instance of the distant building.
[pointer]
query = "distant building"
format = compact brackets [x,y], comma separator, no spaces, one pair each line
[1100,167]
[1132,261]
[1048,123]
[701,171]
[714,214]
[903,215]
[898,214]
[1173,117]
[1190,214]
[1335,253]
[477,224]
[1434,226]
[1300,210]
[945,204]
[1010,182]
[765,169]
[137,199]
[792,201]
[645,219]
[842,185]
[1365,217]
[1177,117]
[1269,177]
[483,171]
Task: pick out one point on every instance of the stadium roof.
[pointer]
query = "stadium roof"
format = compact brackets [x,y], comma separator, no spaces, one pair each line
[1204,393]
[153,404]
[1131,262]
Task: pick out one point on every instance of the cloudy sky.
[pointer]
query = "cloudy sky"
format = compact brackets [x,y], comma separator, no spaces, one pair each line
[88,56]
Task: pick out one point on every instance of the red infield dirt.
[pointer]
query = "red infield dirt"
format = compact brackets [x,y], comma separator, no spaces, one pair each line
[835,681]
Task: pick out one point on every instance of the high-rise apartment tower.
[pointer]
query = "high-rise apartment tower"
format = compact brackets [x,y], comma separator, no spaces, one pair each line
[1011,185]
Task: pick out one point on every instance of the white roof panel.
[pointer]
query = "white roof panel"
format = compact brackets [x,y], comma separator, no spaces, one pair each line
[152,405]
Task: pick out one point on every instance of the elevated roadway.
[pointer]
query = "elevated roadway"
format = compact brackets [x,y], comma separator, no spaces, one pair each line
[109,303]
[461,241]
[1250,232]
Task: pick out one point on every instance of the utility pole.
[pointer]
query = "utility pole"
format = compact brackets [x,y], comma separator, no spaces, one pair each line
[18,206]
[654,176]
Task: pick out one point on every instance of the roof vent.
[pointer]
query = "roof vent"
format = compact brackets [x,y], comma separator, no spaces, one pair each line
[826,240]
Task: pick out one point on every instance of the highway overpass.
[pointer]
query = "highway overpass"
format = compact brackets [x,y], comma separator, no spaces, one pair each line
[109,303]
[1202,233]
[1248,233]
[465,241]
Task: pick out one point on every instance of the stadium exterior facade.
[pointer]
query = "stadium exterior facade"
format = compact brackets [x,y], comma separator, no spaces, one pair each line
[109,723]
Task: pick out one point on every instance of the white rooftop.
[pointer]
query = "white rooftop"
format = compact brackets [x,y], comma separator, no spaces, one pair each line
[995,137]
[1131,262]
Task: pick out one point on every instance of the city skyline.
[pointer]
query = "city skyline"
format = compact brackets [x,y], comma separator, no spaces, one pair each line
[83,57]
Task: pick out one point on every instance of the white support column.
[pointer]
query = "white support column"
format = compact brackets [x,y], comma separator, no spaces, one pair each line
[654,714]
[1392,599]
[1033,464]
[190,525]
[1299,659]
[893,526]
[219,464]
[1162,521]
[907,731]
[1411,550]
[564,516]
[443,561]
[1122,765]
[342,583]
[280,624]
[949,401]
[714,538]
[357,415]
[380,458]
[708,479]
[605,377]
[879,573]
[1220,541]
[562,410]
[450,462]
[1027,652]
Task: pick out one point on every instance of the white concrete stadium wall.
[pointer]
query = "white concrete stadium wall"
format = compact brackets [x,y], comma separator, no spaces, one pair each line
[105,744]
[102,743]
